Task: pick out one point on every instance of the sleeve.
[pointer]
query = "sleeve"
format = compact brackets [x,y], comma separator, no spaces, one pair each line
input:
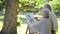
[36,26]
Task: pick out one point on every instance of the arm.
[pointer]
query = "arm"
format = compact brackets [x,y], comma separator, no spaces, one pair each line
[36,26]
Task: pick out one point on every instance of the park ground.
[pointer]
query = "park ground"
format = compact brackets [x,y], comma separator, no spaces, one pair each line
[22,29]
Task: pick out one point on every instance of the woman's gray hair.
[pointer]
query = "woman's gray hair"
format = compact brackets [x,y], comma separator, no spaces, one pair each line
[48,7]
[45,12]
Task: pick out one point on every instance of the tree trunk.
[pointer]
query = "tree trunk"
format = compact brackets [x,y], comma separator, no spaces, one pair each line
[10,18]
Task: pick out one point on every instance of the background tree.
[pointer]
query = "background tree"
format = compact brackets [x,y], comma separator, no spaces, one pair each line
[10,17]
[56,6]
[33,5]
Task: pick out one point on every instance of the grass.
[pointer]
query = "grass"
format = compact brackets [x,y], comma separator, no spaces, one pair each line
[22,29]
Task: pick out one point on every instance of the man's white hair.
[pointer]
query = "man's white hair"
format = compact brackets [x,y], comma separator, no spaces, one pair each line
[45,12]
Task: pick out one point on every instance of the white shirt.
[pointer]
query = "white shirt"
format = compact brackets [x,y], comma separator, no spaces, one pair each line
[54,21]
[43,27]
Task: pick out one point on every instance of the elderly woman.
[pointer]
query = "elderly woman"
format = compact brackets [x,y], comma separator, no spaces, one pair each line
[44,26]
[53,18]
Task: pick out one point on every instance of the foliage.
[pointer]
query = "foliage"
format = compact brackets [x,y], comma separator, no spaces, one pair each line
[24,5]
[2,4]
[33,5]
[56,6]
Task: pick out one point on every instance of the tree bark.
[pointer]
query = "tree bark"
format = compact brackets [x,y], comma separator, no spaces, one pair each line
[10,18]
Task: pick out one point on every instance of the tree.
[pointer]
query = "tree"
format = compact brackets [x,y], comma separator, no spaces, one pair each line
[10,17]
[56,6]
[32,5]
